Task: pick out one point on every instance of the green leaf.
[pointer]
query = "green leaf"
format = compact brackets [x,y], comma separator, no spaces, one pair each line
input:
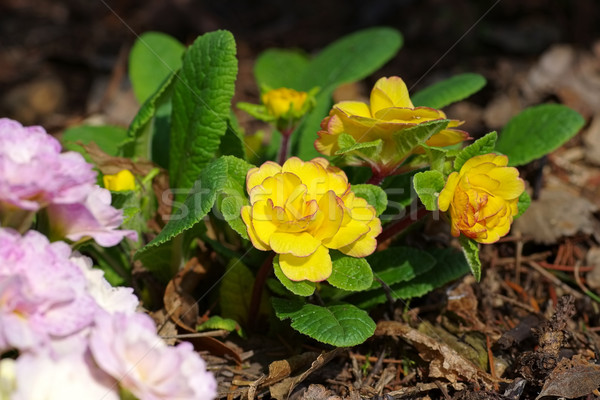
[348,144]
[471,251]
[399,264]
[230,207]
[235,293]
[225,175]
[108,138]
[275,68]
[217,322]
[232,143]
[537,131]
[301,288]
[523,204]
[449,91]
[351,58]
[481,146]
[374,195]
[350,273]
[428,186]
[201,106]
[408,139]
[340,325]
[450,265]
[141,130]
[154,56]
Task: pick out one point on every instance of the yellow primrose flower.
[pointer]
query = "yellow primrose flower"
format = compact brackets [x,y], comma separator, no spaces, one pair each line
[389,112]
[284,102]
[121,181]
[482,198]
[301,210]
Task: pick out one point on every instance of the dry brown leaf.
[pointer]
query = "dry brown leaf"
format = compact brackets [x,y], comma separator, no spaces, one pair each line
[283,389]
[572,378]
[557,213]
[216,347]
[444,362]
[181,306]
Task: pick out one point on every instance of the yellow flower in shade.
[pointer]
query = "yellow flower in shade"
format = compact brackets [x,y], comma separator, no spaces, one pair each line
[284,102]
[301,210]
[119,182]
[390,111]
[482,198]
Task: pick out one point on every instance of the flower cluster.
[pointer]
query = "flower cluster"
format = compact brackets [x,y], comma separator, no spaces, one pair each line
[35,176]
[482,198]
[78,337]
[301,210]
[389,113]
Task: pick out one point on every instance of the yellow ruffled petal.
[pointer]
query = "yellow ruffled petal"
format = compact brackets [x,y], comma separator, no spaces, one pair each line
[119,182]
[256,242]
[367,244]
[316,268]
[256,176]
[264,220]
[347,234]
[301,244]
[511,186]
[389,92]
[329,217]
[412,115]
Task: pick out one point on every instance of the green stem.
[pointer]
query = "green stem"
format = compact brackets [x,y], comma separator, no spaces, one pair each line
[257,290]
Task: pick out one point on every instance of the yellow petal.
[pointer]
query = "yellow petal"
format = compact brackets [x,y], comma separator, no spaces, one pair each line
[447,193]
[479,161]
[367,244]
[389,92]
[264,220]
[256,242]
[511,186]
[347,234]
[447,137]
[356,108]
[121,181]
[412,115]
[301,244]
[329,217]
[256,176]
[315,268]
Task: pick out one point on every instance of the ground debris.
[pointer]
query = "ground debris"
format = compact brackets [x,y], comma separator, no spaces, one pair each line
[572,378]
[444,361]
[535,366]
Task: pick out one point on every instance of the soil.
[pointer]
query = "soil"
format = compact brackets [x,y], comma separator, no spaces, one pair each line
[529,329]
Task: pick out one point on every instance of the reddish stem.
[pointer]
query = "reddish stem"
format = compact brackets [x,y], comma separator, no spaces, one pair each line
[376,178]
[257,290]
[396,227]
[285,146]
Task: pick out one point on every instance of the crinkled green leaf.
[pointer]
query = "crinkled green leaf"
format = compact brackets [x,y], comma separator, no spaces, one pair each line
[341,325]
[428,185]
[537,131]
[523,204]
[347,144]
[350,273]
[374,195]
[481,146]
[153,57]
[232,143]
[201,106]
[224,176]
[300,288]
[471,251]
[408,139]
[399,264]
[450,265]
[451,90]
